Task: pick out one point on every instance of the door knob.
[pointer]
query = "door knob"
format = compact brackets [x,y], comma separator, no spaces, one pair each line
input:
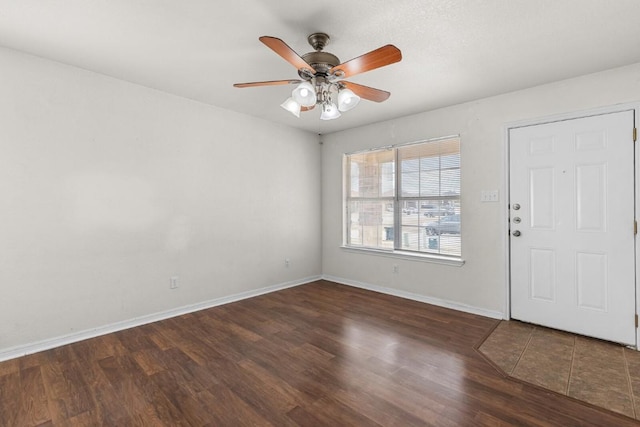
[516,207]
[516,233]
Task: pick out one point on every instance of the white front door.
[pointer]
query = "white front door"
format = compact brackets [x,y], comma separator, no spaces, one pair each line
[571,210]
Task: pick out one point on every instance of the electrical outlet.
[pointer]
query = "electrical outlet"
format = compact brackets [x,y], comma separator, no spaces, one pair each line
[173,282]
[396,269]
[287,262]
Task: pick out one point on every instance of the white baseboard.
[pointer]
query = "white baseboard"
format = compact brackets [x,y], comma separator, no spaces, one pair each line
[415,297]
[23,350]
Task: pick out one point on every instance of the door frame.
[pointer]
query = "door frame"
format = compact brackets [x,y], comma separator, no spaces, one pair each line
[635,106]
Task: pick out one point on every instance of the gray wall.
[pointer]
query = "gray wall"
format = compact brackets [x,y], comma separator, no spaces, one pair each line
[480,284]
[109,189]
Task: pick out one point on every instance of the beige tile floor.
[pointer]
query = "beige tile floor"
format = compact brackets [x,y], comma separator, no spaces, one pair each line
[600,373]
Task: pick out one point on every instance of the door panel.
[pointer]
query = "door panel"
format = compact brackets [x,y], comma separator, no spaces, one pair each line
[573,264]
[591,200]
[543,274]
[593,285]
[542,207]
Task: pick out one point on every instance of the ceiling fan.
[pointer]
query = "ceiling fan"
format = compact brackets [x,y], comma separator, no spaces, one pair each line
[323,76]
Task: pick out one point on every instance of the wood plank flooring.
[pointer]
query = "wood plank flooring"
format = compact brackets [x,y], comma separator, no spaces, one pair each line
[320,354]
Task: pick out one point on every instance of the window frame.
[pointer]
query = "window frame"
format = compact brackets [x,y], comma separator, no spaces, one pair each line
[397,199]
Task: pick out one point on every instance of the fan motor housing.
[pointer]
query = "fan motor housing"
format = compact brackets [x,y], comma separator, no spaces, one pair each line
[322,62]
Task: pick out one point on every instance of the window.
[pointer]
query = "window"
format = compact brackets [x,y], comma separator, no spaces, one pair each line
[405,198]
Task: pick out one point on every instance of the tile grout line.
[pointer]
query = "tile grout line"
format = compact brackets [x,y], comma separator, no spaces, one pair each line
[573,357]
[626,369]
[523,351]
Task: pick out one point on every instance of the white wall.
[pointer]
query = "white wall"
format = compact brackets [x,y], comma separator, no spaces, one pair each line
[107,189]
[481,282]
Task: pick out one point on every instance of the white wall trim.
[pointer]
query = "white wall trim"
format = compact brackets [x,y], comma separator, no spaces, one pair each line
[409,256]
[23,350]
[506,220]
[415,297]
[637,206]
[615,108]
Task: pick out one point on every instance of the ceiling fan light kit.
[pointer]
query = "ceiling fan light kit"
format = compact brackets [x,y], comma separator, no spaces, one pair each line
[323,77]
[291,106]
[347,99]
[305,95]
[329,112]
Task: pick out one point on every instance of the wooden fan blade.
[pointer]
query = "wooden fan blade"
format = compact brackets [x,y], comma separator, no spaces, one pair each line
[268,83]
[288,54]
[307,108]
[380,57]
[367,92]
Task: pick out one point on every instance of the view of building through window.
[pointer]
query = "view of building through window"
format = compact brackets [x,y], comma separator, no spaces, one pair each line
[405,198]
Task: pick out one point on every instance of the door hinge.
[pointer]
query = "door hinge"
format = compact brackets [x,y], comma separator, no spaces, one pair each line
[635,227]
[636,320]
[635,134]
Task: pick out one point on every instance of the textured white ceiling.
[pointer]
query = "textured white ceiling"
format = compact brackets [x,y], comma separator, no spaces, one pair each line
[453,50]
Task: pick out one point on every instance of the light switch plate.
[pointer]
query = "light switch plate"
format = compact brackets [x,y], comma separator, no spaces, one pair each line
[489,196]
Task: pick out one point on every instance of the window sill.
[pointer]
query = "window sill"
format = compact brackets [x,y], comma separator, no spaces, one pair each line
[411,256]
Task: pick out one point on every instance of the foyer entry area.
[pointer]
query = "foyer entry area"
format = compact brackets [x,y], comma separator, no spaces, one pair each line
[600,373]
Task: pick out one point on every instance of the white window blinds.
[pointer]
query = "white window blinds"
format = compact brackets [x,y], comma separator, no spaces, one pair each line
[405,198]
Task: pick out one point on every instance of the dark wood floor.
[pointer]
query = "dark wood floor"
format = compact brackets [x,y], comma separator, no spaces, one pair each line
[314,355]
